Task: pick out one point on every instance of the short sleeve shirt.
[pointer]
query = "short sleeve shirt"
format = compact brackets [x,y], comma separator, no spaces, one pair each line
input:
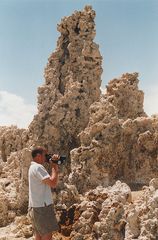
[39,193]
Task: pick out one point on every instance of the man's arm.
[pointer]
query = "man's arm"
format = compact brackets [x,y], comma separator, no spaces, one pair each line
[53,179]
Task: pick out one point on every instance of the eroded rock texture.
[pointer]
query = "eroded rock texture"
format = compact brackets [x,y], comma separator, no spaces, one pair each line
[72,84]
[108,137]
[142,223]
[120,141]
[112,213]
[12,139]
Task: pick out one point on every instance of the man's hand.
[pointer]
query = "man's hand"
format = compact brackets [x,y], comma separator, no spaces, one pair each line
[52,180]
[55,157]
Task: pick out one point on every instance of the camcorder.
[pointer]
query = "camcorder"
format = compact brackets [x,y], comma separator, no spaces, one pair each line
[60,161]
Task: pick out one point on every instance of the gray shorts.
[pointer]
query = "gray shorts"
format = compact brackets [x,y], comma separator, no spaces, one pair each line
[44,220]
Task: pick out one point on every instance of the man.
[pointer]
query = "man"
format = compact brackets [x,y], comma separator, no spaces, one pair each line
[40,197]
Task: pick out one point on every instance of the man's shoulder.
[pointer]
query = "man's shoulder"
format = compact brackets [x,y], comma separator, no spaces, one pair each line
[35,166]
[38,170]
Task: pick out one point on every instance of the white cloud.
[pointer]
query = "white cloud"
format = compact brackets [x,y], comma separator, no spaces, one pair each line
[14,110]
[151,101]
[103,90]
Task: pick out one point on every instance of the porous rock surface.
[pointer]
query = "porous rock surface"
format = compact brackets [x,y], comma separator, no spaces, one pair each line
[107,136]
[72,84]
[120,141]
[12,139]
[105,214]
[110,213]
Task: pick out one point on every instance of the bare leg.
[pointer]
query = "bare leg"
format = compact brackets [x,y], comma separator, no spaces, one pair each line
[47,237]
[37,236]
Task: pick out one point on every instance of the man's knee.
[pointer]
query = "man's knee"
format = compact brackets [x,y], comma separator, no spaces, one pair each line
[37,236]
[47,237]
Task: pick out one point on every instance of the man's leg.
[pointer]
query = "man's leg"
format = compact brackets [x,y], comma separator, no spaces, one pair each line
[37,236]
[47,237]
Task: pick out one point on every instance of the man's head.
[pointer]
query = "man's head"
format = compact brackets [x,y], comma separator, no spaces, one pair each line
[38,155]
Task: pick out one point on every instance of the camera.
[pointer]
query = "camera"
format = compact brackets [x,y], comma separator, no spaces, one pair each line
[60,161]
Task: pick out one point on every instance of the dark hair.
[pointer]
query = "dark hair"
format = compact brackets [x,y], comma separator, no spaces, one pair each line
[37,150]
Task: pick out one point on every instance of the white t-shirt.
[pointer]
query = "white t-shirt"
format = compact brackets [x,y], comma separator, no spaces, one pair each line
[39,193]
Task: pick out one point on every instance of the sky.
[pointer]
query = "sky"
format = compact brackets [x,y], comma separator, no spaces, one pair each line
[126,31]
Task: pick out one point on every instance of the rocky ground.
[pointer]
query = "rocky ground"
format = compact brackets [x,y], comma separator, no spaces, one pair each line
[112,213]
[13,231]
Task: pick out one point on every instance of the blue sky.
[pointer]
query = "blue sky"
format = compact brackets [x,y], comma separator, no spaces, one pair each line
[126,32]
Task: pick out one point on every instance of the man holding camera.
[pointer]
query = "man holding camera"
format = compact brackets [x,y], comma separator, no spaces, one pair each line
[40,196]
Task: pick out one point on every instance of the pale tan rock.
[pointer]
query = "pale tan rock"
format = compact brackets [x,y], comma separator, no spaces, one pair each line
[142,221]
[72,83]
[73,78]
[22,190]
[3,208]
[102,213]
[110,138]
[126,97]
[10,141]
[119,142]
[19,229]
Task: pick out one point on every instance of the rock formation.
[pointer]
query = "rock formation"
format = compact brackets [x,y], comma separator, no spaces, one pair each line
[120,141]
[110,213]
[108,138]
[12,139]
[72,84]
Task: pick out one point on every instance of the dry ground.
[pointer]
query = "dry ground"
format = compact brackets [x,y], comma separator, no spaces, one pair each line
[4,231]
[136,195]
